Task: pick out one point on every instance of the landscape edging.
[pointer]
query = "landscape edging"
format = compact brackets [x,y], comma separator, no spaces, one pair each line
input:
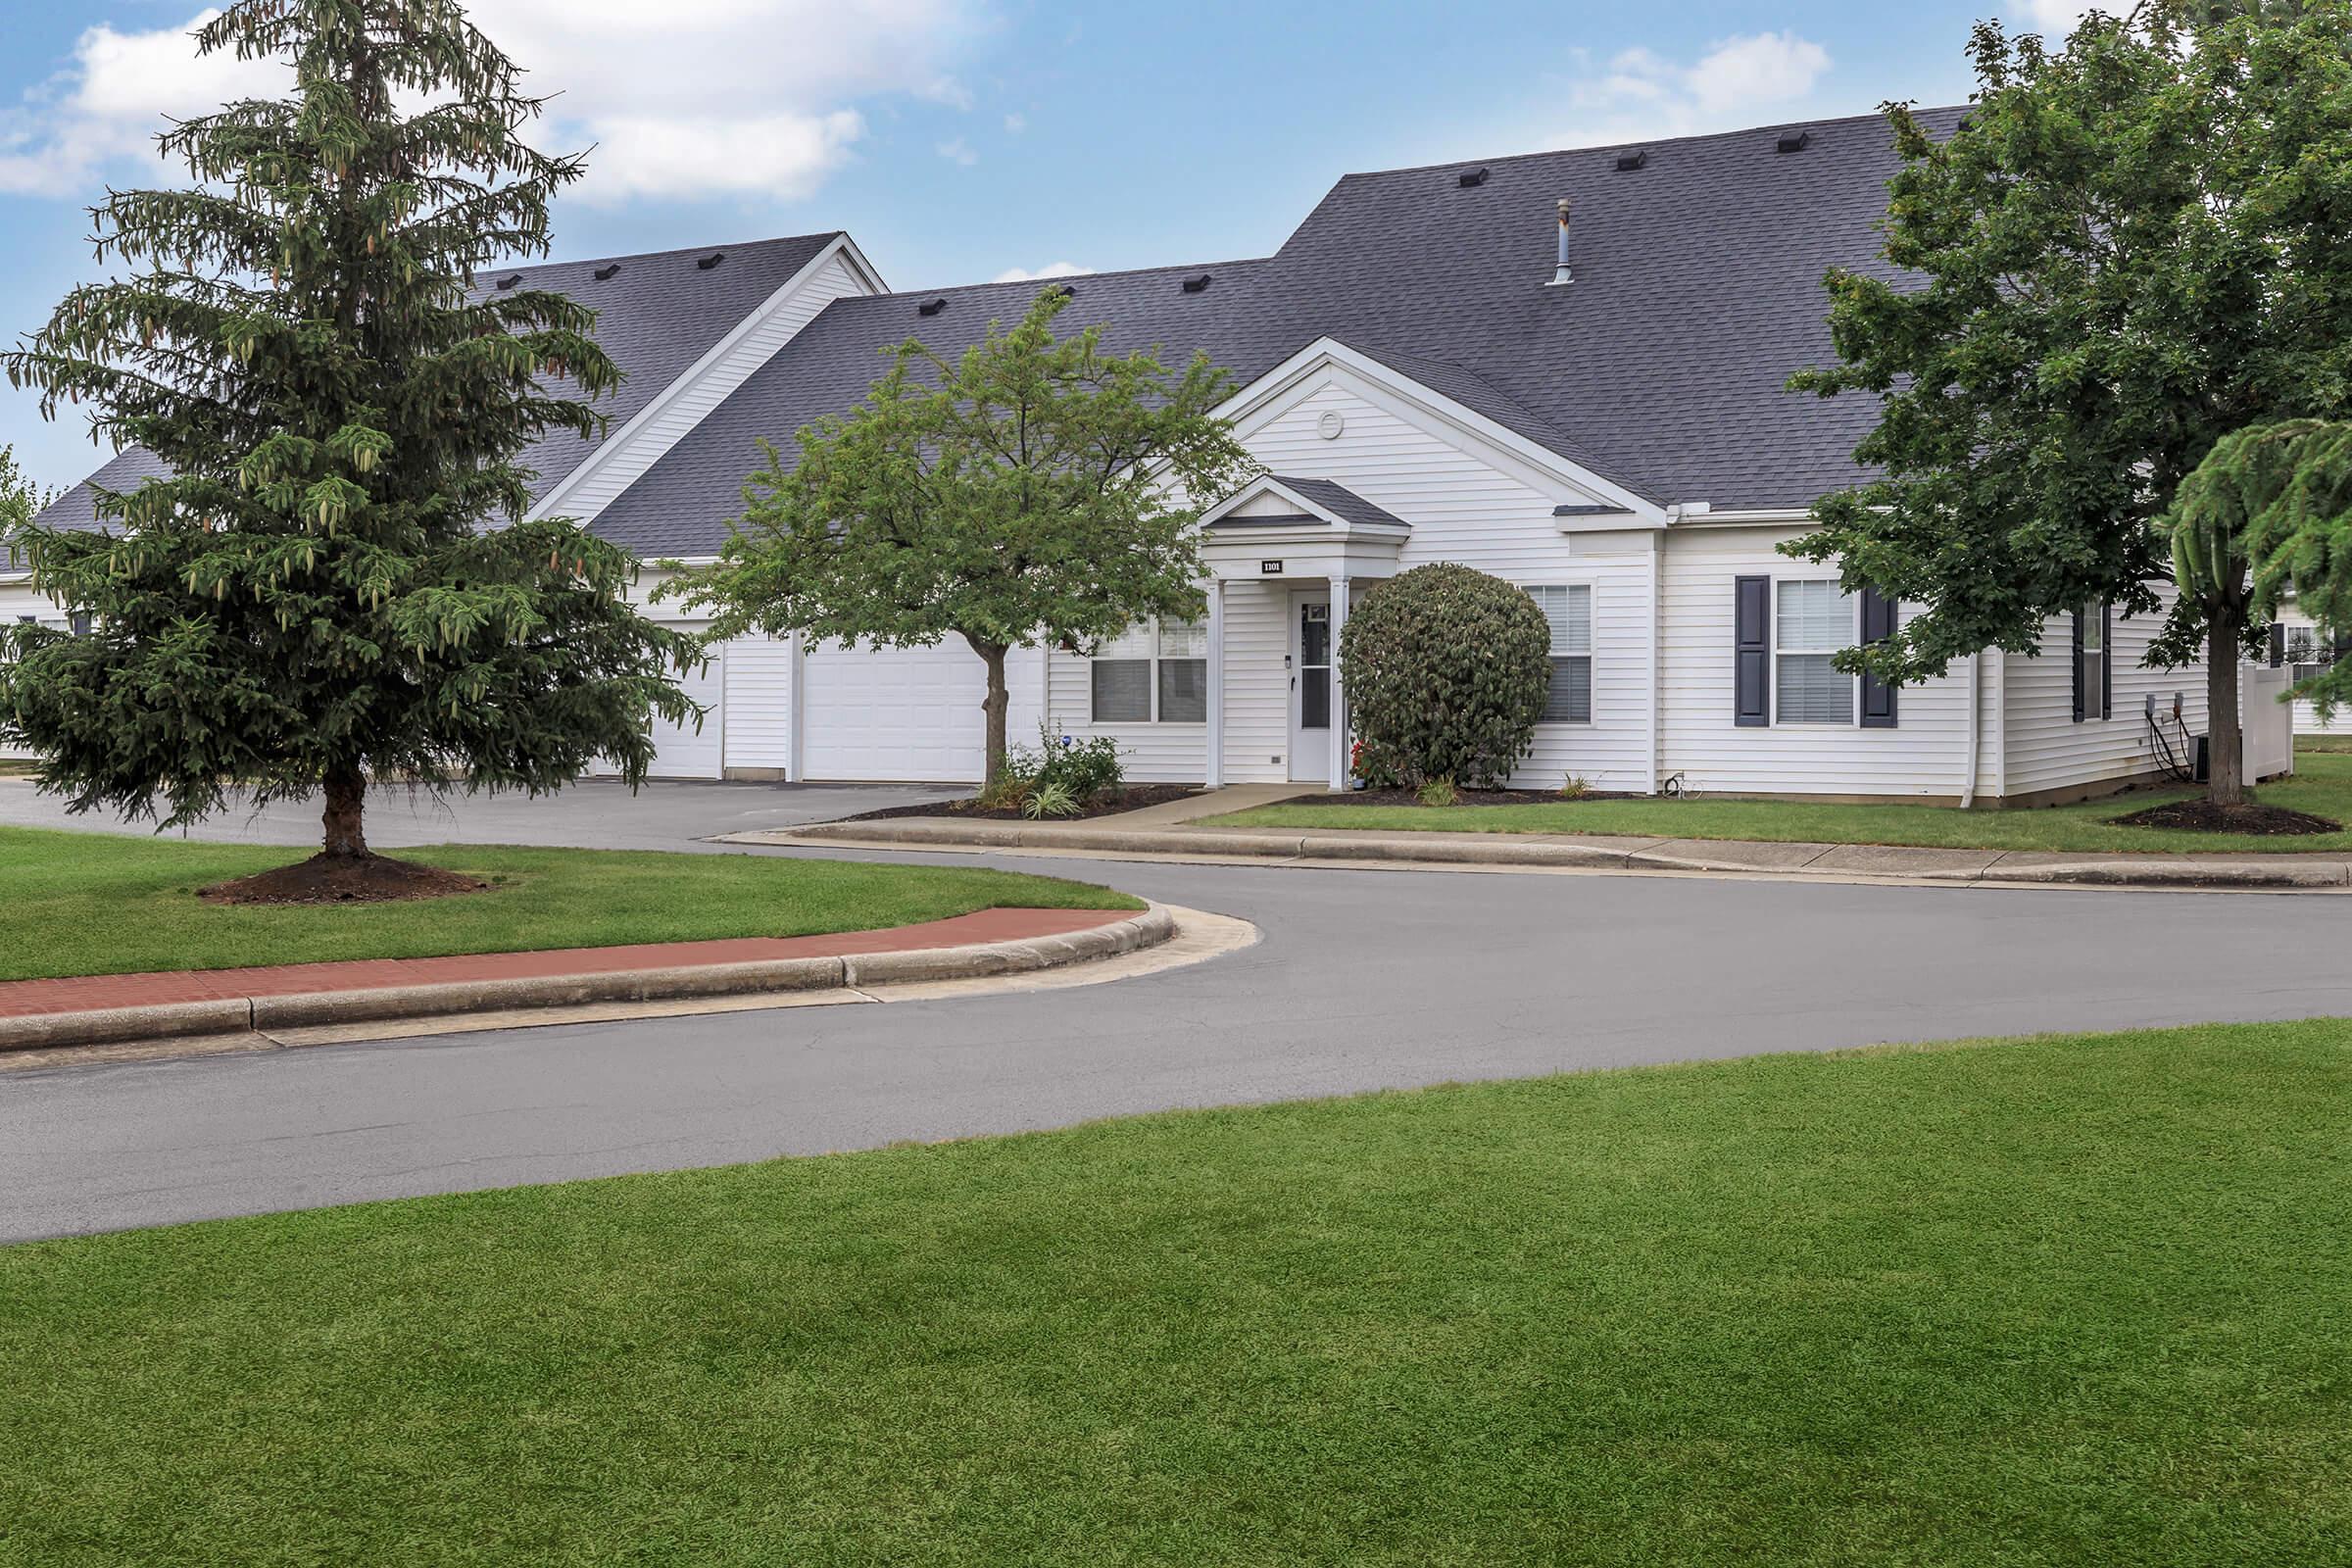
[108,1026]
[2283,871]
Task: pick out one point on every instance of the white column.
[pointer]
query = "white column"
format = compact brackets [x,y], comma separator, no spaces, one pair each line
[796,719]
[1214,761]
[1339,686]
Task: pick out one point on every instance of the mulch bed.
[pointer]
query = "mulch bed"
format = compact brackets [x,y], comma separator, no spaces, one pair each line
[1462,797]
[2252,818]
[341,879]
[1134,797]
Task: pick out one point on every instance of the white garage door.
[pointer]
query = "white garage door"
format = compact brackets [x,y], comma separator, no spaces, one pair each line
[679,750]
[894,713]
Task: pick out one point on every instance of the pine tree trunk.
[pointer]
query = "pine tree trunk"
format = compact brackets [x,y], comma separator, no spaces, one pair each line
[346,790]
[2226,749]
[996,703]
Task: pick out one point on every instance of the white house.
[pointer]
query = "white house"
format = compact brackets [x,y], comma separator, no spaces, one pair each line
[1438,364]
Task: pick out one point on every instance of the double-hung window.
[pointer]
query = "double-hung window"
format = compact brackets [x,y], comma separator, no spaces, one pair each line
[2309,654]
[1153,672]
[1812,621]
[1569,610]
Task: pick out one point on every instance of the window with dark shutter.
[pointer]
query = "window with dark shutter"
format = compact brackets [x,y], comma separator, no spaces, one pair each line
[1877,625]
[1751,651]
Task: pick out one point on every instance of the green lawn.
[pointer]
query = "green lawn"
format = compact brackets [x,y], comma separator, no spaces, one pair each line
[2057,1301]
[106,903]
[2321,786]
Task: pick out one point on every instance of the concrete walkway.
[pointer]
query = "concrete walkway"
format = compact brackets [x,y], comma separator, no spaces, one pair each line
[1170,830]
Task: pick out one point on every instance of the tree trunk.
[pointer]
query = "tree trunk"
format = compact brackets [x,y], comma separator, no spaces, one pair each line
[346,789]
[2225,751]
[995,706]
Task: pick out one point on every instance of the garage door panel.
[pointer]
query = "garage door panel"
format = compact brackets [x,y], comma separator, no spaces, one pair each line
[908,713]
[680,751]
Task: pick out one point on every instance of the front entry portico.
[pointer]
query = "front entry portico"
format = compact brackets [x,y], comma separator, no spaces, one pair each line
[1285,557]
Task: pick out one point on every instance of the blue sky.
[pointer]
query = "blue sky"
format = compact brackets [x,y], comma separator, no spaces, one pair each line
[960,140]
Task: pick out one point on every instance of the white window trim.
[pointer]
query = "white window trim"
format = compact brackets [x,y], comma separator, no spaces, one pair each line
[1590,654]
[2095,624]
[1854,702]
[1155,722]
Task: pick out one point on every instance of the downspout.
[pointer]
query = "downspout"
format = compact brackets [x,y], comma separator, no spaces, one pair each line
[1975,725]
[1657,662]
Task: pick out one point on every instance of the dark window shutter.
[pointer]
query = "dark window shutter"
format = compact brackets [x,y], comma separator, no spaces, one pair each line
[2277,644]
[2106,660]
[1751,651]
[2075,661]
[1877,624]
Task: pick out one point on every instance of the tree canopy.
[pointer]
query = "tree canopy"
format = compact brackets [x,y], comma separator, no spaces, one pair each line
[2133,246]
[1032,490]
[335,580]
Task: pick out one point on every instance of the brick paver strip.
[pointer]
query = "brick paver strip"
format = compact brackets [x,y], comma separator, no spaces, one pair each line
[83,993]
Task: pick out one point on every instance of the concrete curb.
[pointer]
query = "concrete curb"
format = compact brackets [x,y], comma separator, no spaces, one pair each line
[1729,858]
[237,1015]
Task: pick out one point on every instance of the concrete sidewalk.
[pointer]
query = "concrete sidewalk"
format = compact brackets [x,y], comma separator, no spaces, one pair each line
[1172,835]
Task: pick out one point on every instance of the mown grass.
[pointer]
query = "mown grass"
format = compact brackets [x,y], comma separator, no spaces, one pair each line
[108,903]
[2321,786]
[2052,1301]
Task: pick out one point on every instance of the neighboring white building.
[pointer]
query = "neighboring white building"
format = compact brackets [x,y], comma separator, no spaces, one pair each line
[1418,388]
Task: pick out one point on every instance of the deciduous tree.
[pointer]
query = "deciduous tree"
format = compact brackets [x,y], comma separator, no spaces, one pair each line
[1034,490]
[2131,247]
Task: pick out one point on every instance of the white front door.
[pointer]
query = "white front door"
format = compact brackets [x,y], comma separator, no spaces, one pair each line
[1310,687]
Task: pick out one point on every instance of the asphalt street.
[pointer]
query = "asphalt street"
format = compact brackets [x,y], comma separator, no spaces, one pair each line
[1364,979]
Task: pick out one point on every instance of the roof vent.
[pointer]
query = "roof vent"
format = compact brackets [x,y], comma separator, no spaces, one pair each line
[509,280]
[931,306]
[1560,273]
[1196,285]
[1627,163]
[1472,177]
[1793,143]
[711,259]
[1064,291]
[605,274]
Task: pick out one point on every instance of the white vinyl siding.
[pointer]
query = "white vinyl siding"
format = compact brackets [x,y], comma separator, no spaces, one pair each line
[1568,608]
[759,687]
[2041,746]
[1811,621]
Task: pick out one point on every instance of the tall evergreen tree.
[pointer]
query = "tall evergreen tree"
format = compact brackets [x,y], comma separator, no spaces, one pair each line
[336,582]
[2135,245]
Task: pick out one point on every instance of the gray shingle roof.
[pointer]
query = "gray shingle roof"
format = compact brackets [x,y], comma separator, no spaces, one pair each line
[1662,367]
[660,313]
[1341,502]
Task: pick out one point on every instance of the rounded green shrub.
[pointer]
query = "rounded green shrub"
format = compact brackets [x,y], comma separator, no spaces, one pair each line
[1445,670]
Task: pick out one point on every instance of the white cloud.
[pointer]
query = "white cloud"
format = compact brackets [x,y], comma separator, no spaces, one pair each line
[688,98]
[1016,124]
[1021,275]
[1737,81]
[2055,19]
[959,151]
